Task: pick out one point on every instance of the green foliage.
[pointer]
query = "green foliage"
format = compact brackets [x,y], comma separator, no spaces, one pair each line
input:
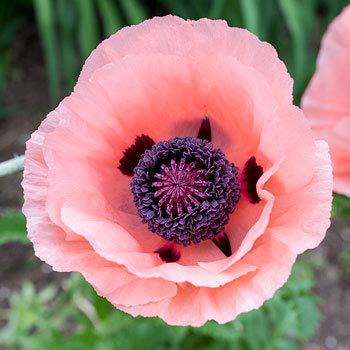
[344,263]
[88,36]
[12,227]
[251,15]
[112,20]
[70,29]
[66,19]
[11,21]
[76,318]
[341,206]
[294,13]
[134,11]
[45,19]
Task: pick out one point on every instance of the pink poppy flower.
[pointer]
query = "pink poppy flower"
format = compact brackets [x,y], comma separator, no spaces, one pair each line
[178,177]
[326,101]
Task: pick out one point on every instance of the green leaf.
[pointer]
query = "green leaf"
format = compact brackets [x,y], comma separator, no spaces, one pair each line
[308,317]
[233,13]
[217,8]
[287,344]
[251,15]
[76,318]
[134,11]
[341,206]
[226,331]
[7,33]
[293,10]
[179,7]
[88,35]
[12,227]
[45,15]
[66,16]
[344,263]
[111,19]
[255,329]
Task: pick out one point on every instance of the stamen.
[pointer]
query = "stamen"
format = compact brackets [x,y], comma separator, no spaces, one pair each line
[185,190]
[177,183]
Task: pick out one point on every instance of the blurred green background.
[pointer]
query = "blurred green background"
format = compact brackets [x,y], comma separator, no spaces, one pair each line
[43,44]
[70,29]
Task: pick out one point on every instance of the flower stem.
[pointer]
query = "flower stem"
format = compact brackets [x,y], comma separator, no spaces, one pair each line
[11,166]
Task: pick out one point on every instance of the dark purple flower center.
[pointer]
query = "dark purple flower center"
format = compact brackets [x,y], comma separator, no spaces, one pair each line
[185,189]
[180,186]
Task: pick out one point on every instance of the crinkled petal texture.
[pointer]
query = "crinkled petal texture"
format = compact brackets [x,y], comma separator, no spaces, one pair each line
[160,78]
[326,101]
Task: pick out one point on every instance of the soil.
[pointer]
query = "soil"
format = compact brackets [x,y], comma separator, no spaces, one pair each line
[26,104]
[333,287]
